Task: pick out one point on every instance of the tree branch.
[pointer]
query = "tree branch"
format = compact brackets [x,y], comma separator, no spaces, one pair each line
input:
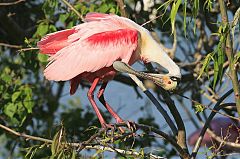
[181,139]
[73,9]
[25,135]
[11,3]
[122,7]
[220,140]
[11,46]
[212,109]
[229,52]
[143,127]
[217,107]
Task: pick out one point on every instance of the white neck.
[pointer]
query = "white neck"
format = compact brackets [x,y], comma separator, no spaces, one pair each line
[151,51]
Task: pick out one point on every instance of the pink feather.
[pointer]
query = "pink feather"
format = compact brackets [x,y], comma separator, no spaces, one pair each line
[88,50]
[54,42]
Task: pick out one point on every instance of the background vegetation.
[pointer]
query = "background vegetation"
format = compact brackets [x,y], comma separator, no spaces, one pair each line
[201,36]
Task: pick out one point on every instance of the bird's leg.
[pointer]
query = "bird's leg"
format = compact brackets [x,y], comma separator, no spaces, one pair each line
[118,119]
[106,105]
[94,105]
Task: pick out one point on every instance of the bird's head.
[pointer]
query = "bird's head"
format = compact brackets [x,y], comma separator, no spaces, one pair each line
[169,82]
[166,81]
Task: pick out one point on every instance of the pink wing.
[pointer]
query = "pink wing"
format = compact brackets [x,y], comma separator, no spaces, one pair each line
[54,42]
[91,53]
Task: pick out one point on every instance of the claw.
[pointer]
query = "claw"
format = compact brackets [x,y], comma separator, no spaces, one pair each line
[112,127]
[108,126]
[131,125]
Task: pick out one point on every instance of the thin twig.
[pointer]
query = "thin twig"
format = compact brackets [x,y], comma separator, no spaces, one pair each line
[220,140]
[73,9]
[83,144]
[212,109]
[27,49]
[182,152]
[25,135]
[122,7]
[11,3]
[217,107]
[149,21]
[11,46]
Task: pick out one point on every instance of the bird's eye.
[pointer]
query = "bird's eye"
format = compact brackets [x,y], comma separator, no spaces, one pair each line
[174,78]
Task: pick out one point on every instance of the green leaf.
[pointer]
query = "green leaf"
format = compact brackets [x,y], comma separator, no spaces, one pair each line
[55,144]
[16,95]
[198,108]
[26,41]
[165,6]
[205,64]
[28,101]
[6,78]
[52,28]
[195,13]
[42,57]
[70,25]
[73,154]
[10,109]
[208,5]
[184,17]
[173,13]
[49,7]
[61,155]
[112,10]
[42,29]
[216,72]
[103,8]
[92,8]
[220,59]
[63,17]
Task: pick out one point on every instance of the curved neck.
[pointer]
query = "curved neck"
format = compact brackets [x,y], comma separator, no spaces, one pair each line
[151,51]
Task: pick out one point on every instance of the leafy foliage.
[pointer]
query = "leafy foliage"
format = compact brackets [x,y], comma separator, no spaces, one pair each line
[32,105]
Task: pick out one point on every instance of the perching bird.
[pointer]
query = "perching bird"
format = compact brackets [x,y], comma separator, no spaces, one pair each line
[88,51]
[225,128]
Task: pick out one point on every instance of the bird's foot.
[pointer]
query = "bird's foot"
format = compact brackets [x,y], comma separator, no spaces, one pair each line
[131,125]
[108,126]
[113,127]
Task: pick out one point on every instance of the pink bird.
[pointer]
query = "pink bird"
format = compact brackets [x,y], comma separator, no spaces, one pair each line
[222,127]
[88,51]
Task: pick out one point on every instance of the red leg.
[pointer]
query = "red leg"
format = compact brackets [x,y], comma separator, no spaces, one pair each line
[91,99]
[107,106]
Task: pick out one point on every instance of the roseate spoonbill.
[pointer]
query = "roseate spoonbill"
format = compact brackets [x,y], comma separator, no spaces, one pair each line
[88,51]
[223,127]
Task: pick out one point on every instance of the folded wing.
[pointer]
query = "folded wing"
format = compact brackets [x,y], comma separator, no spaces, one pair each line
[92,53]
